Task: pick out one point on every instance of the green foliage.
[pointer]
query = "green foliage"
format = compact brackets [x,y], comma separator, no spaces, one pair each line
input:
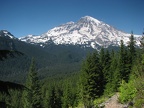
[122,63]
[127,91]
[100,76]
[99,101]
[113,75]
[132,49]
[138,72]
[15,97]
[65,91]
[32,97]
[105,62]
[67,96]
[54,99]
[52,60]
[139,98]
[133,90]
[91,79]
[126,59]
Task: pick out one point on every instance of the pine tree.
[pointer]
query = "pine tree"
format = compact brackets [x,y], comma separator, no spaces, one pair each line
[54,101]
[132,50]
[131,54]
[123,63]
[91,79]
[46,97]
[127,56]
[32,98]
[106,67]
[113,75]
[67,98]
[102,57]
[138,72]
[15,99]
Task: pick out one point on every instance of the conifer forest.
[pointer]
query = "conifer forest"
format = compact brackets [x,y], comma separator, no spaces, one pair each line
[101,74]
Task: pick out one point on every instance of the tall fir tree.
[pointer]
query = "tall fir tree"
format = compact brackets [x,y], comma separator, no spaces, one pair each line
[54,99]
[32,98]
[91,80]
[102,57]
[113,75]
[131,53]
[106,67]
[67,96]
[131,48]
[124,63]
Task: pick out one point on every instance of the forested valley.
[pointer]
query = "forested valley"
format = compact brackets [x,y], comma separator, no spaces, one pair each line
[101,74]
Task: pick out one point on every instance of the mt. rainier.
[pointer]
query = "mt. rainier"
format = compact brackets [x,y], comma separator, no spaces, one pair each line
[88,32]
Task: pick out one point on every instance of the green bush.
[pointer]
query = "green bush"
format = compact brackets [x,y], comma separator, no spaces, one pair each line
[127,91]
[139,98]
[99,101]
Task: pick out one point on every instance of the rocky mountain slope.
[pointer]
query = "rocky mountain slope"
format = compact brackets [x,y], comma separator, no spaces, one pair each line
[6,40]
[88,32]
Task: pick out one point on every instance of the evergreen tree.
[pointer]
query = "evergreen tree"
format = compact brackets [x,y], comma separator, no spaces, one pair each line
[139,84]
[54,101]
[67,96]
[15,99]
[126,58]
[32,98]
[102,57]
[123,67]
[46,94]
[106,67]
[91,80]
[131,47]
[131,54]
[113,75]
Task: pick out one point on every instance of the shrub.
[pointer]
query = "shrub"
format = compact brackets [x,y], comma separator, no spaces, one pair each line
[127,91]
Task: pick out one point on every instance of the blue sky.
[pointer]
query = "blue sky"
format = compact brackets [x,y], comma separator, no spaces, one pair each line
[23,17]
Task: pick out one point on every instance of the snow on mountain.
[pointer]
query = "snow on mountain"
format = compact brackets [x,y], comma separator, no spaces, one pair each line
[6,40]
[5,33]
[88,31]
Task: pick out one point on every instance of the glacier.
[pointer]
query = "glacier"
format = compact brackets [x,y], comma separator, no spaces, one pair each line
[87,31]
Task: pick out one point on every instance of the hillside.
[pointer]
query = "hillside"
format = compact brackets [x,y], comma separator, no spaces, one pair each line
[53,60]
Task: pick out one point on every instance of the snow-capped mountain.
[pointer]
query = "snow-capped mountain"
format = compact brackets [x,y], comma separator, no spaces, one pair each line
[88,32]
[6,34]
[6,40]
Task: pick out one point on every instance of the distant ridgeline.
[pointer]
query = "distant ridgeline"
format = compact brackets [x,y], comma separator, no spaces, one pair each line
[6,40]
[51,60]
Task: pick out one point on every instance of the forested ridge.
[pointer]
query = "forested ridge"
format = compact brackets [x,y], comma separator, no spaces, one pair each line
[102,74]
[50,61]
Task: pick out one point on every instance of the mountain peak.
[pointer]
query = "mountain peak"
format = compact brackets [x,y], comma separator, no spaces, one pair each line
[5,33]
[87,32]
[88,19]
[71,22]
